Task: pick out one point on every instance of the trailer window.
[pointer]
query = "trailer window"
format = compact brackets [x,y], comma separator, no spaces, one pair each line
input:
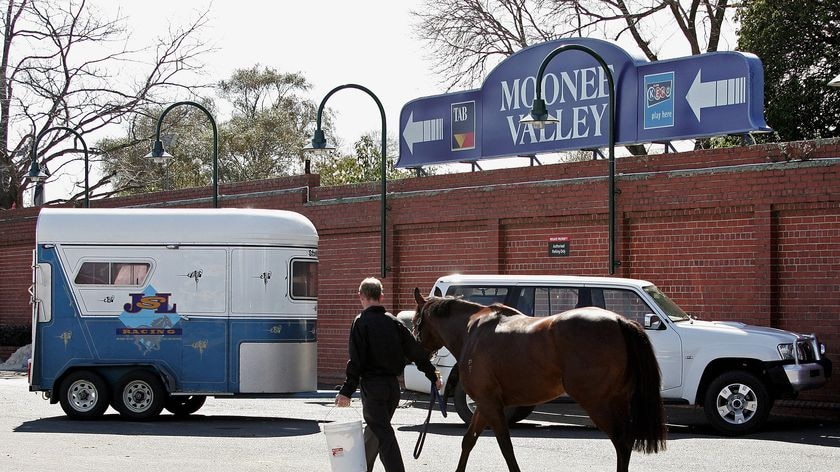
[112,273]
[304,279]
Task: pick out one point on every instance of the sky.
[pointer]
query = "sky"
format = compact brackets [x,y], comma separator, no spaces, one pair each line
[330,42]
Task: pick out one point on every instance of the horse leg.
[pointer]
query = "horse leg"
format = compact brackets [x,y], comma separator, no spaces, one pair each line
[497,421]
[474,430]
[622,454]
[614,422]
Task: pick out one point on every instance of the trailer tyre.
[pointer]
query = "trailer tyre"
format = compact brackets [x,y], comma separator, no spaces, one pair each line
[184,405]
[84,395]
[139,395]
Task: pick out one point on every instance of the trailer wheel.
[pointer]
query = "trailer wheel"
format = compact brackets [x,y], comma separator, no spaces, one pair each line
[139,395]
[184,405]
[84,395]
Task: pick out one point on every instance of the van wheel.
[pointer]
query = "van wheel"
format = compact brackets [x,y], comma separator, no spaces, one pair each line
[465,406]
[184,405]
[84,395]
[139,395]
[736,403]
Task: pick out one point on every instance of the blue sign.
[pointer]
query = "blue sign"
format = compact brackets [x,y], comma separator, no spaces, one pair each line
[659,100]
[698,96]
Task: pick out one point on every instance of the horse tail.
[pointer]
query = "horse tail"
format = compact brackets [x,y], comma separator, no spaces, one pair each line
[647,415]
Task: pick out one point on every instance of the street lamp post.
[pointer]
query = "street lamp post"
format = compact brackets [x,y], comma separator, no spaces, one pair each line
[539,118]
[319,143]
[159,154]
[35,172]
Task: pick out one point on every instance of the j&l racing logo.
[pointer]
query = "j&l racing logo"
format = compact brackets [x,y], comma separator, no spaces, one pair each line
[158,302]
[148,320]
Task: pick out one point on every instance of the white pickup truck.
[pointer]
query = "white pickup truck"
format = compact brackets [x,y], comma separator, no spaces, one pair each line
[735,371]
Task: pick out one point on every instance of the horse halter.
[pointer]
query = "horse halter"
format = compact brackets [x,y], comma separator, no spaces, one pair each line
[418,324]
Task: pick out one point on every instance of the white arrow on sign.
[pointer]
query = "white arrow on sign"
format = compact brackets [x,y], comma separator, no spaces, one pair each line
[422,131]
[716,93]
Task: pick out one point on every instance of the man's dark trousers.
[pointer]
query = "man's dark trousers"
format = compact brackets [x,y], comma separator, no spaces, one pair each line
[380,398]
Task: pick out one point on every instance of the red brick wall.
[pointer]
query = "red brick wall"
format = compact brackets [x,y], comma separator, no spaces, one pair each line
[737,234]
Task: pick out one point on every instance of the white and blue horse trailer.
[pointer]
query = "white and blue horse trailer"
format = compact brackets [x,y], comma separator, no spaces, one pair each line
[145,309]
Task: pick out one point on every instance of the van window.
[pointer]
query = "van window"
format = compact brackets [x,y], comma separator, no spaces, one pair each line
[112,273]
[552,300]
[304,279]
[481,295]
[626,303]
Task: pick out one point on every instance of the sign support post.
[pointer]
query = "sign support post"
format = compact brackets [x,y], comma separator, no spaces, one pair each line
[539,117]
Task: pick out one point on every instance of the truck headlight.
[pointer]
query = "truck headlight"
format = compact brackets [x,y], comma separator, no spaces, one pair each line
[786,352]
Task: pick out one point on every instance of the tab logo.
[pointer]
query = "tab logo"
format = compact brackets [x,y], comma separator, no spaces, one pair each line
[463,126]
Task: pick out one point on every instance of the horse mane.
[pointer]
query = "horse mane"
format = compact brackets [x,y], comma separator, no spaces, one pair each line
[446,306]
[505,310]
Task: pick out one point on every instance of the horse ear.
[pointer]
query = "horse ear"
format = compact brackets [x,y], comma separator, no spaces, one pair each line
[417,297]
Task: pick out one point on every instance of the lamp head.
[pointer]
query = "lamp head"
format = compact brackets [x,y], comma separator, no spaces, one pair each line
[158,153]
[318,145]
[538,118]
[835,82]
[36,174]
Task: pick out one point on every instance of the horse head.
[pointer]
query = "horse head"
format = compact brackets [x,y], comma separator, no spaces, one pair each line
[424,326]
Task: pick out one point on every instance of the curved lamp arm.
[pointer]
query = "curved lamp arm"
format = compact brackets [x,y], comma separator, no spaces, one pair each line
[319,141]
[159,152]
[35,173]
[539,116]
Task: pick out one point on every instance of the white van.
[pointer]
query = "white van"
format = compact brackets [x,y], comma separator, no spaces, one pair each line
[144,309]
[734,370]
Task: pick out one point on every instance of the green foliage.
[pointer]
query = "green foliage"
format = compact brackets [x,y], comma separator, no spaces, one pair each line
[263,138]
[364,166]
[269,128]
[799,43]
[186,134]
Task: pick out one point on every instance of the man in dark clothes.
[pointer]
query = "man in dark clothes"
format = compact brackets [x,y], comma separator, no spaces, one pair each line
[379,345]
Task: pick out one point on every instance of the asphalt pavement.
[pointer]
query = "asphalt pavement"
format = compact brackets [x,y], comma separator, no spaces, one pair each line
[285,435]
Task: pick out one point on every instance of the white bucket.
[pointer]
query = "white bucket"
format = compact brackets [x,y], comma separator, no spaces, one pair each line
[346,446]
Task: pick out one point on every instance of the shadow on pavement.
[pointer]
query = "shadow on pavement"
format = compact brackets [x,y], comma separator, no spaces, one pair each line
[567,420]
[166,425]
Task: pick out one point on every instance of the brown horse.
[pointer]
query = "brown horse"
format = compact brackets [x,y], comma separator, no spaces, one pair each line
[602,360]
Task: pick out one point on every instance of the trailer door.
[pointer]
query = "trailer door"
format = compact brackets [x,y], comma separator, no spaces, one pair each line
[41,308]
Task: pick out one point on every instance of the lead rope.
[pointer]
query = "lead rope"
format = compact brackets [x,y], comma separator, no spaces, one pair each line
[435,395]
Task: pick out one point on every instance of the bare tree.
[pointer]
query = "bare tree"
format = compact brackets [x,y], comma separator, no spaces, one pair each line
[468,37]
[63,64]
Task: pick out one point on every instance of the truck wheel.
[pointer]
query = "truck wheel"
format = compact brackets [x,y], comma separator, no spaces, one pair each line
[139,395]
[183,405]
[516,414]
[736,403]
[84,395]
[465,406]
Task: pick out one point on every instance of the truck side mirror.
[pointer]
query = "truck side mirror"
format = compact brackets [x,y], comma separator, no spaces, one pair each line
[652,322]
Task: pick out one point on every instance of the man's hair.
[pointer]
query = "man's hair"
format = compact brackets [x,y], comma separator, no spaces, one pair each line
[371,288]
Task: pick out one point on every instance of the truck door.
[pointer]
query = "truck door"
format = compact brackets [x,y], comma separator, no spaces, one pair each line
[666,343]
